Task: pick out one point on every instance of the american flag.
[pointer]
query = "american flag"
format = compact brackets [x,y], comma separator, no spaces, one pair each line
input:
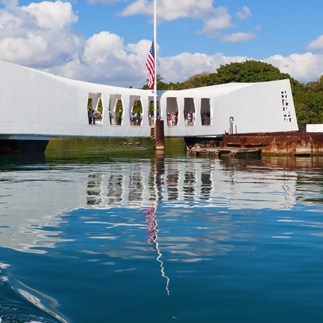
[150,63]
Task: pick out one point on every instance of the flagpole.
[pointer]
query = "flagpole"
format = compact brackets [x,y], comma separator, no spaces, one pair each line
[155,55]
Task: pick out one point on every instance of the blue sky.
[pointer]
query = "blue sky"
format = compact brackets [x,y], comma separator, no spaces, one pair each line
[107,41]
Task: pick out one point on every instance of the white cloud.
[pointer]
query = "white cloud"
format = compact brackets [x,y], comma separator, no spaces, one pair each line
[106,59]
[221,19]
[139,7]
[244,13]
[316,44]
[51,15]
[180,67]
[39,34]
[169,9]
[238,37]
[9,23]
[10,4]
[103,47]
[303,67]
[20,49]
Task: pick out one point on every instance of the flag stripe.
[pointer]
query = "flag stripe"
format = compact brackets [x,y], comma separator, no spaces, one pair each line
[150,64]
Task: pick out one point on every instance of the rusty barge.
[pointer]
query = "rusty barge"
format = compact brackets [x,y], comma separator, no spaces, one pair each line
[294,143]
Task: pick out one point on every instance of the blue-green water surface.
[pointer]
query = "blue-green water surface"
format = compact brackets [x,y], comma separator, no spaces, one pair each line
[165,239]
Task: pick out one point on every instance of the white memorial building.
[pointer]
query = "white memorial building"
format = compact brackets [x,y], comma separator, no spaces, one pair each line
[39,105]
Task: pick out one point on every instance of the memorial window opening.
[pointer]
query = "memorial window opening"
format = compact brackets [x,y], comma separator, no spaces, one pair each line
[189,112]
[205,112]
[136,113]
[111,113]
[118,112]
[94,109]
[172,112]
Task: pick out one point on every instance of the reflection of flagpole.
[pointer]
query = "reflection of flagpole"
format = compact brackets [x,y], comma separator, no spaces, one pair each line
[152,222]
[162,270]
[153,238]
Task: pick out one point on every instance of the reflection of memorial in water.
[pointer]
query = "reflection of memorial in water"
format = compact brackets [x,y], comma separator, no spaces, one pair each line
[94,186]
[210,183]
[32,200]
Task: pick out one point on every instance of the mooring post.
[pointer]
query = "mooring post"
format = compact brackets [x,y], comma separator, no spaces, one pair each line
[159,138]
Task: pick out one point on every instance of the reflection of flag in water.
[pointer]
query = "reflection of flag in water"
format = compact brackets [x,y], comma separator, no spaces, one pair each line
[150,64]
[151,227]
[153,236]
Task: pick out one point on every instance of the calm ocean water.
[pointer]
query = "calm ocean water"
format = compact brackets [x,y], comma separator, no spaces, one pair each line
[167,239]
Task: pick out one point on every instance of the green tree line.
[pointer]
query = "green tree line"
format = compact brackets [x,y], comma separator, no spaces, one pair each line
[308,97]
